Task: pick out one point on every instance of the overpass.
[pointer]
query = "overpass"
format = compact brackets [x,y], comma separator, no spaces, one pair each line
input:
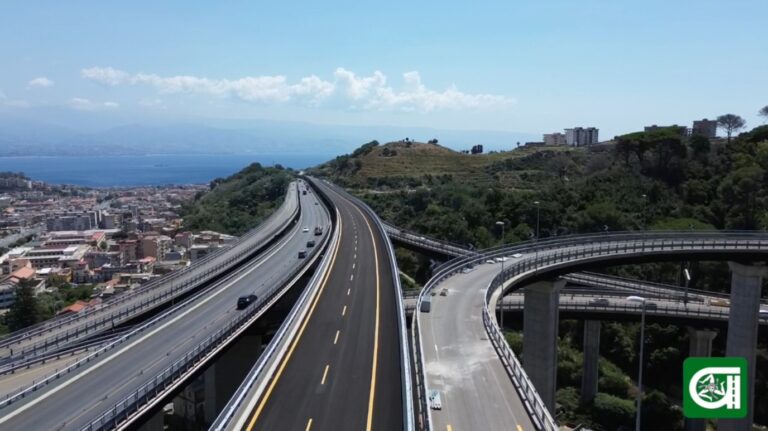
[61,332]
[440,344]
[341,360]
[115,385]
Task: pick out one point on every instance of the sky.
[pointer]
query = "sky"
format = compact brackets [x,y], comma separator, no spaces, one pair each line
[524,66]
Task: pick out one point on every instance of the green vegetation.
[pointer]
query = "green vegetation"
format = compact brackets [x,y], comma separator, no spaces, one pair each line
[240,202]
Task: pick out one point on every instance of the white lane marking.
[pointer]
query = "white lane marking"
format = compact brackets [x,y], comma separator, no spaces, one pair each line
[348,291]
[344,310]
[336,338]
[351,277]
[353,265]
[153,332]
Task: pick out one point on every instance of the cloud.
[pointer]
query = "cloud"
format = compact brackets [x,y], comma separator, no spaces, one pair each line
[105,75]
[82,104]
[347,89]
[40,82]
[152,103]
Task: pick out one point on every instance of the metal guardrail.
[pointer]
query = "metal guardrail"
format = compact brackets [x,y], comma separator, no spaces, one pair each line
[417,239]
[665,308]
[129,405]
[234,255]
[298,311]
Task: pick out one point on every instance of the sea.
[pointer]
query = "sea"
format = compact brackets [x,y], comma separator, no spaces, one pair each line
[143,170]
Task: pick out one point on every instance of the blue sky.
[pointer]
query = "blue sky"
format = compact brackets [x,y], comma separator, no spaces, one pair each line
[526,66]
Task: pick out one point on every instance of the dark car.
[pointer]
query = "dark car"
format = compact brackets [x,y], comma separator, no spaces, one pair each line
[310,243]
[302,254]
[318,230]
[245,301]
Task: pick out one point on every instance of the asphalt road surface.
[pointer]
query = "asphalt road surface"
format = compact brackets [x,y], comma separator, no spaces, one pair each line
[79,398]
[342,371]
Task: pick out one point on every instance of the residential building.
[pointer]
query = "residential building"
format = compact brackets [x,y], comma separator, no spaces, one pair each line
[554,139]
[705,128]
[580,136]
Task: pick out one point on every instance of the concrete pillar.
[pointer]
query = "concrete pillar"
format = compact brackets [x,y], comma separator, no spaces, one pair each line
[540,325]
[700,346]
[591,349]
[155,423]
[222,379]
[746,282]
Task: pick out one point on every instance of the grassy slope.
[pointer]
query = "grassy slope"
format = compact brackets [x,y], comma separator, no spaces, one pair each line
[418,160]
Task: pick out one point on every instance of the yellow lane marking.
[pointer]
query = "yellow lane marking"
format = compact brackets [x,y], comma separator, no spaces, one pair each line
[519,428]
[374,365]
[449,428]
[288,355]
[336,338]
[309,425]
[325,374]
[344,310]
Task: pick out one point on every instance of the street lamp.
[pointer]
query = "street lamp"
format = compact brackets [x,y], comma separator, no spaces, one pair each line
[538,208]
[501,223]
[645,216]
[641,300]
[687,275]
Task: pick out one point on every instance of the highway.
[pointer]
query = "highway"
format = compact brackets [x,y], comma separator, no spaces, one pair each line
[62,331]
[461,363]
[342,370]
[77,398]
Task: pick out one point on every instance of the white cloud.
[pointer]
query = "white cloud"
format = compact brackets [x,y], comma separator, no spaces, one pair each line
[105,75]
[354,92]
[152,103]
[40,82]
[82,104]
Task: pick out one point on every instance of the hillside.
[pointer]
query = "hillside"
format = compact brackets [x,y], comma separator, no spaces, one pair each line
[409,164]
[240,202]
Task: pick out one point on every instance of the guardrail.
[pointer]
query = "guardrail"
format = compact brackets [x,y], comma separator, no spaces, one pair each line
[234,255]
[287,329]
[659,308]
[173,374]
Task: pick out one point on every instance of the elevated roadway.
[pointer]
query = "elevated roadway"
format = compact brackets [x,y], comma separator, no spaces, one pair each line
[60,332]
[112,389]
[473,303]
[342,370]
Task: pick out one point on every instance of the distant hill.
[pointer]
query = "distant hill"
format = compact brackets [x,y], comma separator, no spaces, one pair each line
[404,164]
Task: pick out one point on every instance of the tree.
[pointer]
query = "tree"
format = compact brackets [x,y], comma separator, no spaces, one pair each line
[763,112]
[24,311]
[700,145]
[730,123]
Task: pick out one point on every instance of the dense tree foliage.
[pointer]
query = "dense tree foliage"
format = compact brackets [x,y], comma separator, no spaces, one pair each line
[240,202]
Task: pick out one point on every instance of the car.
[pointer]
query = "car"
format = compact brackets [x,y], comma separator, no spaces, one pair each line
[517,255]
[315,202]
[600,301]
[302,254]
[651,305]
[305,230]
[310,243]
[763,313]
[444,292]
[244,301]
[318,231]
[501,259]
[720,302]
[491,261]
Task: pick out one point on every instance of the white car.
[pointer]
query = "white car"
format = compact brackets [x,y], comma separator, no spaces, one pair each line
[517,255]
[491,261]
[306,229]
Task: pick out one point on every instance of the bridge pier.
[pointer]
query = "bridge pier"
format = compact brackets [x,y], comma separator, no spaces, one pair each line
[155,423]
[222,379]
[590,366]
[700,346]
[746,282]
[540,326]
